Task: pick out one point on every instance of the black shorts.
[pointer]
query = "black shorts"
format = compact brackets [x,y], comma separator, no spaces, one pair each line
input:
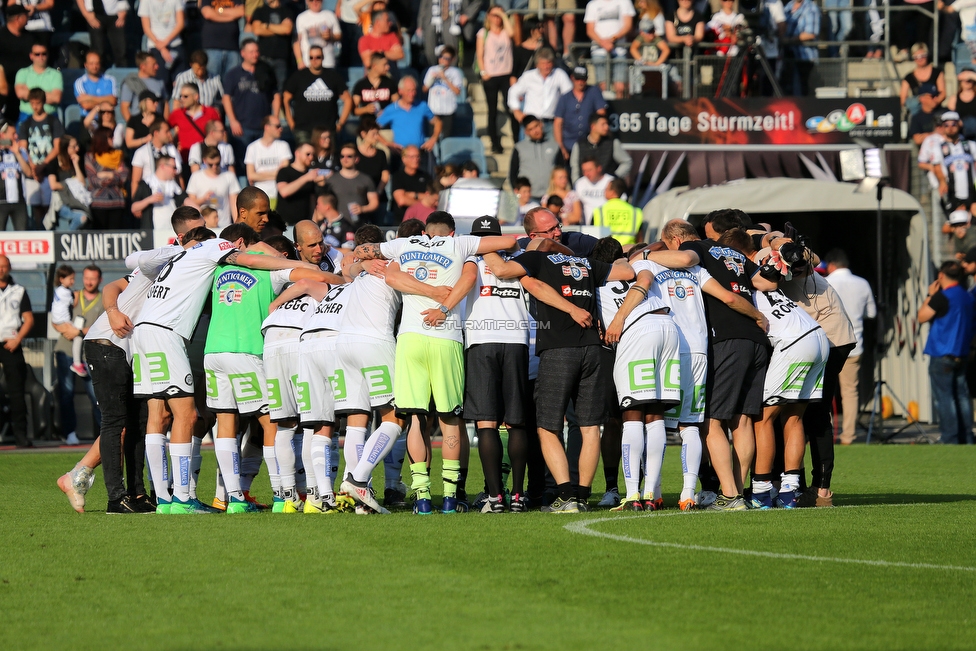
[496,379]
[575,374]
[736,377]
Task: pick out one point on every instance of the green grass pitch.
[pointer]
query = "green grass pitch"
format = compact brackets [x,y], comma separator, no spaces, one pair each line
[893,568]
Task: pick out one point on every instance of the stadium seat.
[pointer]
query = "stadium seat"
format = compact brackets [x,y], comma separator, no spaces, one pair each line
[463,126]
[72,119]
[461,150]
[354,74]
[120,74]
[35,282]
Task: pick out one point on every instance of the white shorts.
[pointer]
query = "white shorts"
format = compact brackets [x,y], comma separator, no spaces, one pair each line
[235,383]
[160,366]
[796,373]
[316,374]
[694,370]
[281,371]
[364,373]
[647,367]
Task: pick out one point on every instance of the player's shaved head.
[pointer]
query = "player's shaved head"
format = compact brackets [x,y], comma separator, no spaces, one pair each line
[306,231]
[253,207]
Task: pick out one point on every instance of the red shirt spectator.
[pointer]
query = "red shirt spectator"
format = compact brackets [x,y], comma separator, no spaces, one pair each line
[382,38]
[190,120]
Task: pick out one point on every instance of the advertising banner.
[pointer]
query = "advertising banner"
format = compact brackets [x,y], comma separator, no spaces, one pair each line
[27,247]
[100,246]
[756,121]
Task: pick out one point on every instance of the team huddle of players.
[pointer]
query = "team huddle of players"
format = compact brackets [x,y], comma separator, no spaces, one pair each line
[458,328]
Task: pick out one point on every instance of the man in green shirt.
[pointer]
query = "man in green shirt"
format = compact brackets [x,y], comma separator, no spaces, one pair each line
[236,383]
[38,75]
[623,219]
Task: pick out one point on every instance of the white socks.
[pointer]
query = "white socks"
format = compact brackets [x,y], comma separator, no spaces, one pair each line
[229,461]
[285,456]
[181,455]
[632,448]
[378,448]
[321,450]
[657,438]
[691,455]
[393,462]
[352,449]
[789,483]
[273,473]
[158,470]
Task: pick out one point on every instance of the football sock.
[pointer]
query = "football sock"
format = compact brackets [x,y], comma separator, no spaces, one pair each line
[691,454]
[503,433]
[322,464]
[657,438]
[352,449]
[168,471]
[421,480]
[156,458]
[379,445]
[761,486]
[451,473]
[518,452]
[393,462]
[273,473]
[566,491]
[285,456]
[790,482]
[333,461]
[306,457]
[631,449]
[229,460]
[490,451]
[220,491]
[181,454]
[583,493]
[196,460]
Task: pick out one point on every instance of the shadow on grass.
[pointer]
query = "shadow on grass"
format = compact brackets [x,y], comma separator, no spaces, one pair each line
[899,498]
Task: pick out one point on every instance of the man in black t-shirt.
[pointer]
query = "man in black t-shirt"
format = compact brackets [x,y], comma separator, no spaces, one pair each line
[376,90]
[297,185]
[568,346]
[408,183]
[273,23]
[739,349]
[316,92]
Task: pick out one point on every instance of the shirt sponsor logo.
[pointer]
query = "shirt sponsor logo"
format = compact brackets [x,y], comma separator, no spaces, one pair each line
[232,285]
[501,292]
[681,292]
[318,92]
[223,246]
[426,256]
[422,273]
[559,258]
[569,291]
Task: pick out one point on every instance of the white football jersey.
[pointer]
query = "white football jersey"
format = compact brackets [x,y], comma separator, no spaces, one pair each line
[788,322]
[176,298]
[371,308]
[610,297]
[438,261]
[328,313]
[132,298]
[293,315]
[681,290]
[495,311]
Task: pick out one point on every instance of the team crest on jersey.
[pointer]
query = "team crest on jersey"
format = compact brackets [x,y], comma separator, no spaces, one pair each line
[576,272]
[232,285]
[681,292]
[422,273]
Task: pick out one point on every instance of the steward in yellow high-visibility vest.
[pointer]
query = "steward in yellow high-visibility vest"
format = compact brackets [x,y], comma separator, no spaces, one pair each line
[620,217]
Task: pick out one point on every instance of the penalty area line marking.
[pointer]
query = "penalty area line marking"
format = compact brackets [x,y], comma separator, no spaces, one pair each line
[583,527]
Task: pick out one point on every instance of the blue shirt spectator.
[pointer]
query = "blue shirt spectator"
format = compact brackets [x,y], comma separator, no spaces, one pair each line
[94,88]
[573,111]
[803,17]
[407,119]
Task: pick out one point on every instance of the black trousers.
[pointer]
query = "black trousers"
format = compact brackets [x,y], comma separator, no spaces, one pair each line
[818,419]
[495,86]
[111,377]
[16,212]
[15,374]
[107,31]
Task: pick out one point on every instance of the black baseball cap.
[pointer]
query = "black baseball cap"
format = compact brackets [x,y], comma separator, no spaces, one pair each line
[16,10]
[486,225]
[579,72]
[148,94]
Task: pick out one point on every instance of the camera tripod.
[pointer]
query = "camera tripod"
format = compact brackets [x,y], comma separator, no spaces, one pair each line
[732,74]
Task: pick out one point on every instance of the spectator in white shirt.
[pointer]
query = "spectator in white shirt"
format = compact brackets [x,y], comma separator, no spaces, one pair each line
[538,90]
[264,157]
[930,152]
[607,23]
[443,83]
[212,187]
[162,23]
[160,143]
[723,25]
[215,135]
[591,187]
[316,26]
[855,294]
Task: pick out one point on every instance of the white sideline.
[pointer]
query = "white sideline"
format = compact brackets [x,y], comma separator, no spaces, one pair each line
[583,527]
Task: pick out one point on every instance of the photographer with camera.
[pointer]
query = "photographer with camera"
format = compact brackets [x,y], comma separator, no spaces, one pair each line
[13,167]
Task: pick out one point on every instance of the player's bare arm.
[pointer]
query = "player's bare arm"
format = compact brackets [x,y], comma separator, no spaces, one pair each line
[621,270]
[546,294]
[300,288]
[635,296]
[504,269]
[407,284]
[674,259]
[117,320]
[469,276]
[265,262]
[497,243]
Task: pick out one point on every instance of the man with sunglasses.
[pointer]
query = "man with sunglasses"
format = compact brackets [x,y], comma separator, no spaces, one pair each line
[265,156]
[316,27]
[38,75]
[191,119]
[312,97]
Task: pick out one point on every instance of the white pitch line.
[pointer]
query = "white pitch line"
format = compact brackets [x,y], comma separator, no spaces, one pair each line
[582,527]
